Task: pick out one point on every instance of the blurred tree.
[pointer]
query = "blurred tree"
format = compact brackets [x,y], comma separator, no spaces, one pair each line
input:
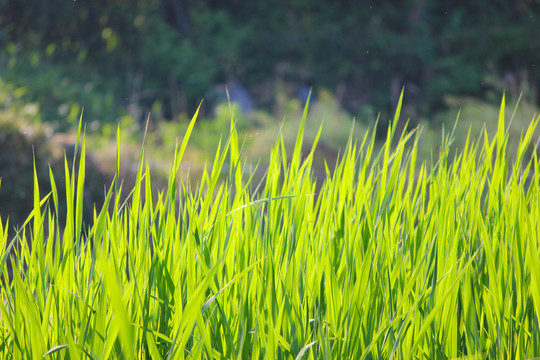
[175,50]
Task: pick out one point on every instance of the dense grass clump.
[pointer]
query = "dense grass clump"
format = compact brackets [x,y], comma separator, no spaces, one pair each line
[387,258]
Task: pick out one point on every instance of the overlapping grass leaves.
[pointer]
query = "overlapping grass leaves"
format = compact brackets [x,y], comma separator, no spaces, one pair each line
[387,258]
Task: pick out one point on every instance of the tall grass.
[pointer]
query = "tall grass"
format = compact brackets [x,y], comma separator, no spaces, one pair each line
[387,258]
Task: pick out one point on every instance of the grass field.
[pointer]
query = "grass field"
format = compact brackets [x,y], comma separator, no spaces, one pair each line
[387,258]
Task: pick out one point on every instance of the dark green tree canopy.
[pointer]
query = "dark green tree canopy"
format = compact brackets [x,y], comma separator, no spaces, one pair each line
[366,50]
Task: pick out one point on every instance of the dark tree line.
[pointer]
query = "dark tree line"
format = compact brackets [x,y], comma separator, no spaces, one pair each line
[176,50]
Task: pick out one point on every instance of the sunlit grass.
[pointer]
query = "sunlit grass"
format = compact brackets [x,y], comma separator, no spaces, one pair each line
[387,258]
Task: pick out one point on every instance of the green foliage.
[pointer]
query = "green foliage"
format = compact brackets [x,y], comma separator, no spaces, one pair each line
[388,258]
[16,165]
[61,90]
[24,140]
[139,53]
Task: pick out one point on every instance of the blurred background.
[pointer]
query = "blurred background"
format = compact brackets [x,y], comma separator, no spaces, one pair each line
[129,61]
